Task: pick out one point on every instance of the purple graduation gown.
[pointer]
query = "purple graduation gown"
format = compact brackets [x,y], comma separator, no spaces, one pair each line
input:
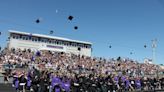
[138,83]
[55,81]
[28,82]
[127,84]
[16,83]
[66,86]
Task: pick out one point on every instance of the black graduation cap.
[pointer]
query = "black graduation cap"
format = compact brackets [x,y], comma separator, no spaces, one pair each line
[49,52]
[51,32]
[76,27]
[13,49]
[145,46]
[79,49]
[38,53]
[131,53]
[37,21]
[62,53]
[119,58]
[70,18]
[110,46]
[29,50]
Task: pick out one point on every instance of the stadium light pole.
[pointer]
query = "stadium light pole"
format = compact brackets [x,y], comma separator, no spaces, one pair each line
[154,45]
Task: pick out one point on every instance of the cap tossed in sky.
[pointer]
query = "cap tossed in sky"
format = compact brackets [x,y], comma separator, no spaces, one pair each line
[76,27]
[51,32]
[70,18]
[38,20]
[145,46]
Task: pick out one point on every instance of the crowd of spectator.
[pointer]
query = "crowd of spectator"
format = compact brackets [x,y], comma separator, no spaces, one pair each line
[46,71]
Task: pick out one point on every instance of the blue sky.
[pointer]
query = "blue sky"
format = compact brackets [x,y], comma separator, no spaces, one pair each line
[126,25]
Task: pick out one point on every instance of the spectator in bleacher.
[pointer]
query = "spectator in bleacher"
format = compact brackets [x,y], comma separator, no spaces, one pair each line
[73,72]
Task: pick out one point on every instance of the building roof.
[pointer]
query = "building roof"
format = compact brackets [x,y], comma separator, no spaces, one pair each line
[50,37]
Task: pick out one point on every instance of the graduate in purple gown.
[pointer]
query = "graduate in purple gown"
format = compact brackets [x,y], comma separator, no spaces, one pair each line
[123,78]
[32,58]
[28,82]
[116,79]
[56,84]
[16,84]
[66,85]
[122,81]
[138,83]
[127,84]
[116,83]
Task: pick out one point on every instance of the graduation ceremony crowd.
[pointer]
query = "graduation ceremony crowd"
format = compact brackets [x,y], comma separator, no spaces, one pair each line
[46,71]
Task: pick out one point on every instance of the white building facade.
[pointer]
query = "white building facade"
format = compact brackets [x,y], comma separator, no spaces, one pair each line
[23,40]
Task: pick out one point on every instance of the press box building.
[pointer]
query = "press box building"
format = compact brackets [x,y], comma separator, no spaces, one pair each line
[24,40]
